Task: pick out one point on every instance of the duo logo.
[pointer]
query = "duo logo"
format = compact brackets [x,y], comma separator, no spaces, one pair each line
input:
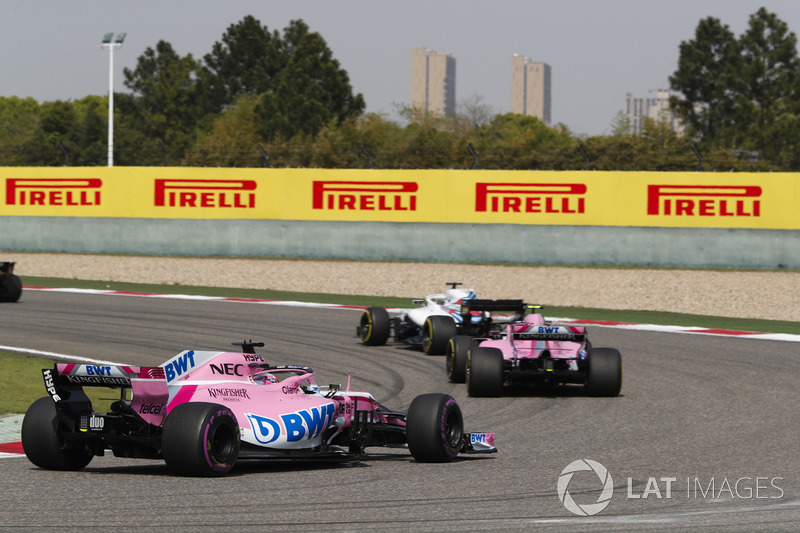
[292,427]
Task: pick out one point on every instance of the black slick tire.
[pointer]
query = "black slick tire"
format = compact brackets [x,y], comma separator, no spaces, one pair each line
[434,428]
[41,442]
[10,288]
[484,371]
[436,333]
[605,372]
[374,327]
[200,439]
[456,355]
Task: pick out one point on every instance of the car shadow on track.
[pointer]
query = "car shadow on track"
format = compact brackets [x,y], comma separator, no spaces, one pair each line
[547,391]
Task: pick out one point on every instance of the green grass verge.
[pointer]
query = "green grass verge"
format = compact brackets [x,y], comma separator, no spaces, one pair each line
[22,373]
[21,382]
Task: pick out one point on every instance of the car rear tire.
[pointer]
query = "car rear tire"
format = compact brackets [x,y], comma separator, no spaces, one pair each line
[10,288]
[484,371]
[200,439]
[457,349]
[41,442]
[434,428]
[605,372]
[374,328]
[436,333]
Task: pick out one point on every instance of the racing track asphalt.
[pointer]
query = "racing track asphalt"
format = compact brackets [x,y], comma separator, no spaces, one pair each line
[706,411]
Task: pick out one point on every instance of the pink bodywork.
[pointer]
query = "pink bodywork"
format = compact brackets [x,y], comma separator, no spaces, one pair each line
[534,325]
[287,412]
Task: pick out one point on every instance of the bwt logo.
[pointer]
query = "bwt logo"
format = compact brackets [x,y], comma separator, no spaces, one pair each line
[365,195]
[205,193]
[704,200]
[530,197]
[53,192]
[306,424]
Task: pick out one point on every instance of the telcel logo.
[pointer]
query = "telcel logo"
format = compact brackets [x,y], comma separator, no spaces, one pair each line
[53,192]
[365,195]
[205,193]
[704,200]
[530,197]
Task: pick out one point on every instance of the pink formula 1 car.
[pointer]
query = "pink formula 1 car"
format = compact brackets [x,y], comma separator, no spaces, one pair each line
[533,351]
[201,412]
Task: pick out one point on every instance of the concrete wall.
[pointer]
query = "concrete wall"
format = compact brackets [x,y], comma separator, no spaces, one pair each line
[550,245]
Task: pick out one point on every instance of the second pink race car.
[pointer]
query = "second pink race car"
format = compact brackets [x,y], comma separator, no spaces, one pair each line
[533,351]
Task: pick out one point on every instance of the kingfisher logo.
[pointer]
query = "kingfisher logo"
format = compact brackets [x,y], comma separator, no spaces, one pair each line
[205,193]
[704,200]
[563,198]
[53,191]
[365,195]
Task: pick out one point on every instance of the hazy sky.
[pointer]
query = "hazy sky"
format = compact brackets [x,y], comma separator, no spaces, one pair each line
[599,50]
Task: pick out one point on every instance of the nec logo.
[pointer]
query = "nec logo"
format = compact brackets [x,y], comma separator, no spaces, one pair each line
[205,193]
[530,197]
[704,200]
[365,195]
[53,192]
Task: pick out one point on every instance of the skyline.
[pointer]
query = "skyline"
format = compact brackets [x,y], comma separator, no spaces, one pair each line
[599,50]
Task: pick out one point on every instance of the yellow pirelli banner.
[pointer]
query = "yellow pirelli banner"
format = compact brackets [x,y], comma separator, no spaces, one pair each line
[663,199]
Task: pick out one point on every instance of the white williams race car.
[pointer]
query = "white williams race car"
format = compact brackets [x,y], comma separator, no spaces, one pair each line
[439,317]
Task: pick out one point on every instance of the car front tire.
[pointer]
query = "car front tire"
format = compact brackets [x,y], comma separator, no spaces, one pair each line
[434,428]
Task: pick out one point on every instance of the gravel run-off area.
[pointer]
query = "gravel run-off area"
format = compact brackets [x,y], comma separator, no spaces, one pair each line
[731,293]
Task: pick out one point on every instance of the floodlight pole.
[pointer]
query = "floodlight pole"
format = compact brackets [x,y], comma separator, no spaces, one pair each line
[111,43]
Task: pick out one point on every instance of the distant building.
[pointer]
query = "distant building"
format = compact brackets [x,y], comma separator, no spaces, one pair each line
[530,88]
[656,108]
[433,82]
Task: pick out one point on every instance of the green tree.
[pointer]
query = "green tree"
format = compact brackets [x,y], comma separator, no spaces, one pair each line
[707,77]
[247,61]
[312,90]
[770,94]
[232,141]
[164,107]
[19,122]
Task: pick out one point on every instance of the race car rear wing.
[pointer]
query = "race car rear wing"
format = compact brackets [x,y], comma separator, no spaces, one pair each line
[493,306]
[552,333]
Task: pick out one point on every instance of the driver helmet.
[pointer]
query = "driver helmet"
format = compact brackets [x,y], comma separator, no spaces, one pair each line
[459,295]
[264,377]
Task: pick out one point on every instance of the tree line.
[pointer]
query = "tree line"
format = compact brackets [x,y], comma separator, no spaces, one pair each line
[280,99]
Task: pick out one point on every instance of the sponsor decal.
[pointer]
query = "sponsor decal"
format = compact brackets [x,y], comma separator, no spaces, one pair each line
[229,394]
[98,380]
[253,357]
[548,333]
[151,409]
[365,195]
[547,198]
[704,200]
[292,427]
[53,191]
[179,365]
[205,193]
[228,369]
[98,370]
[49,385]
[92,423]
